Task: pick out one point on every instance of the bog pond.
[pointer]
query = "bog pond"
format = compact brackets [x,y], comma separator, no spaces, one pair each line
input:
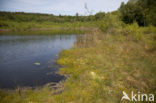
[30,60]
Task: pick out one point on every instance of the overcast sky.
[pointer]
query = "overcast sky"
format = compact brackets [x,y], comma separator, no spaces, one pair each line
[64,7]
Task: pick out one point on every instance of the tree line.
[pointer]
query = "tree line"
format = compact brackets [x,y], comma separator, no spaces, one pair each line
[141,11]
[37,17]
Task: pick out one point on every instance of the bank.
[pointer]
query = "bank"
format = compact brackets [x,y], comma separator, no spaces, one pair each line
[100,66]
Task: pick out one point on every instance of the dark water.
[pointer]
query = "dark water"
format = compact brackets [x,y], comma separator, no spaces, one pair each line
[18,55]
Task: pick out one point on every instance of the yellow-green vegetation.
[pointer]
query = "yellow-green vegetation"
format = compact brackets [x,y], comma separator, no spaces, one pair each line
[28,23]
[105,64]
[101,65]
[46,27]
[115,57]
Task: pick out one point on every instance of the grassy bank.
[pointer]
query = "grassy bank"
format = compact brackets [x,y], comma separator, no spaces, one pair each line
[47,28]
[47,23]
[49,31]
[100,66]
[118,56]
[104,64]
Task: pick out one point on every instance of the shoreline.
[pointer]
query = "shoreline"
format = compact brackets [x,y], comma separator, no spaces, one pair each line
[53,31]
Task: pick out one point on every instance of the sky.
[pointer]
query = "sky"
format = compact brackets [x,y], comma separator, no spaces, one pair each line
[63,7]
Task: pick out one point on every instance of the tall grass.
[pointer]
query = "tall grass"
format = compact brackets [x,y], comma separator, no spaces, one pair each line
[103,67]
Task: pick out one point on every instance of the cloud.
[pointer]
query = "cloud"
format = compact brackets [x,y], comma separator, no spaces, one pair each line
[59,6]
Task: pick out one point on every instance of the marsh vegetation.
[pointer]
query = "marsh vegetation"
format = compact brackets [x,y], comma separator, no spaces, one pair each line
[120,55]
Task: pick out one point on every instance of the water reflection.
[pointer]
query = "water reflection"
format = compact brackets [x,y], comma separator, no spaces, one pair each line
[19,53]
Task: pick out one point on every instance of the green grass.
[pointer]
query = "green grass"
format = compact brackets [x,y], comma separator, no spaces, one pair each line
[46,27]
[110,58]
[100,66]
[16,22]
[115,63]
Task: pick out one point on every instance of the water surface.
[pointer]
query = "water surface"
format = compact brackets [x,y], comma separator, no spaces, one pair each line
[20,54]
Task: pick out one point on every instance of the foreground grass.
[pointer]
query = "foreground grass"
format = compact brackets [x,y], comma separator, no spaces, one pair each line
[100,67]
[111,64]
